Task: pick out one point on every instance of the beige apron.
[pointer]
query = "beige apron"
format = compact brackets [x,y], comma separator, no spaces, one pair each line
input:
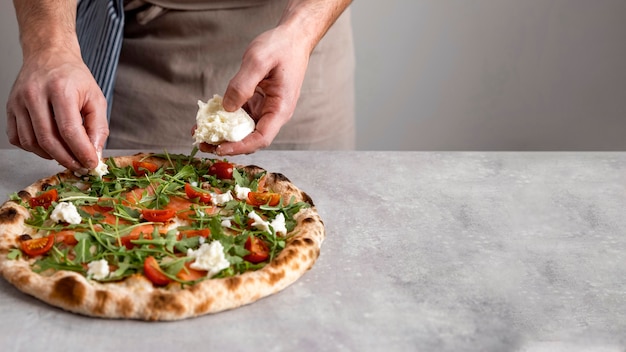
[179,57]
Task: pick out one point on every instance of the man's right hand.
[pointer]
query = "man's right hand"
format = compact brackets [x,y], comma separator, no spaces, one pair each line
[57,110]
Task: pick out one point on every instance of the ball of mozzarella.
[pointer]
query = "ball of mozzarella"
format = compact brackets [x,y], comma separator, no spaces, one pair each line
[215,125]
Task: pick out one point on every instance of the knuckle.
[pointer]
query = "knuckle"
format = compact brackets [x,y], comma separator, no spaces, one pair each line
[46,141]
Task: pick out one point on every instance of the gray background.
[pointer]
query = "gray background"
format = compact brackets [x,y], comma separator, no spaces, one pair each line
[470,74]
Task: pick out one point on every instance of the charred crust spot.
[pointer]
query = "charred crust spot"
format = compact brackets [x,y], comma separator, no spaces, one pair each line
[308,220]
[278,177]
[45,186]
[125,307]
[69,291]
[253,169]
[22,280]
[232,283]
[102,299]
[8,215]
[24,195]
[307,199]
[296,243]
[285,257]
[204,306]
[275,277]
[308,241]
[163,302]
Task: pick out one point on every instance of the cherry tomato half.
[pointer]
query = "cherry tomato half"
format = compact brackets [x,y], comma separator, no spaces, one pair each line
[37,246]
[222,170]
[141,167]
[153,272]
[259,251]
[45,199]
[192,193]
[158,215]
[262,198]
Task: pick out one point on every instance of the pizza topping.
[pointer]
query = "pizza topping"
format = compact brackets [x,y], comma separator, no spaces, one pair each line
[181,221]
[278,224]
[209,257]
[142,167]
[101,169]
[259,251]
[158,215]
[258,222]
[220,199]
[37,246]
[263,198]
[222,170]
[45,199]
[154,273]
[194,193]
[66,212]
[215,125]
[98,269]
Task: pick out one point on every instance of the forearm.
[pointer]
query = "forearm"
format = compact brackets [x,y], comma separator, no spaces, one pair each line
[47,25]
[312,18]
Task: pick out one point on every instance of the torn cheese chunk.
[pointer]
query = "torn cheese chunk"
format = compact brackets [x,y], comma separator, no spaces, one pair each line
[66,212]
[100,170]
[215,125]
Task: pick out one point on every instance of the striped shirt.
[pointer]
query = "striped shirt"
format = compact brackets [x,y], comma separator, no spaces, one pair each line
[99,26]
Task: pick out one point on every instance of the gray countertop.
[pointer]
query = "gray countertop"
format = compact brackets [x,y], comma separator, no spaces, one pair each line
[424,251]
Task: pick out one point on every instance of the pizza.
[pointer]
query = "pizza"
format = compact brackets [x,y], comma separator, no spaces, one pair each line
[158,237]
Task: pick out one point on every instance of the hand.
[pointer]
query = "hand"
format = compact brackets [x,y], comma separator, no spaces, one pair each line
[57,110]
[267,86]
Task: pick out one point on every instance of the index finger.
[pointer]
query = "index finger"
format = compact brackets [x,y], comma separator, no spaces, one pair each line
[71,130]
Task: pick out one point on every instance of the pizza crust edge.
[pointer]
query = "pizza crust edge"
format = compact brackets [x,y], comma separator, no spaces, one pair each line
[136,297]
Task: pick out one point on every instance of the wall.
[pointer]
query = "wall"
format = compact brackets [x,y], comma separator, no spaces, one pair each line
[471,75]
[491,74]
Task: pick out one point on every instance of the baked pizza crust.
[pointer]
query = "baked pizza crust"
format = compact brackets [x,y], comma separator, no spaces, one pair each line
[136,297]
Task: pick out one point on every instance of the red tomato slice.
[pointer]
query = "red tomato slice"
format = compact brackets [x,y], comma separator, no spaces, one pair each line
[37,246]
[262,198]
[153,272]
[45,199]
[193,193]
[158,215]
[259,251]
[141,167]
[222,170]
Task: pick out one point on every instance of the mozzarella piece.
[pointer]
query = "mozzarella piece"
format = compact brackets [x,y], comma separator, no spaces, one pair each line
[100,170]
[66,212]
[221,198]
[242,192]
[215,125]
[98,269]
[209,257]
[258,222]
[278,224]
